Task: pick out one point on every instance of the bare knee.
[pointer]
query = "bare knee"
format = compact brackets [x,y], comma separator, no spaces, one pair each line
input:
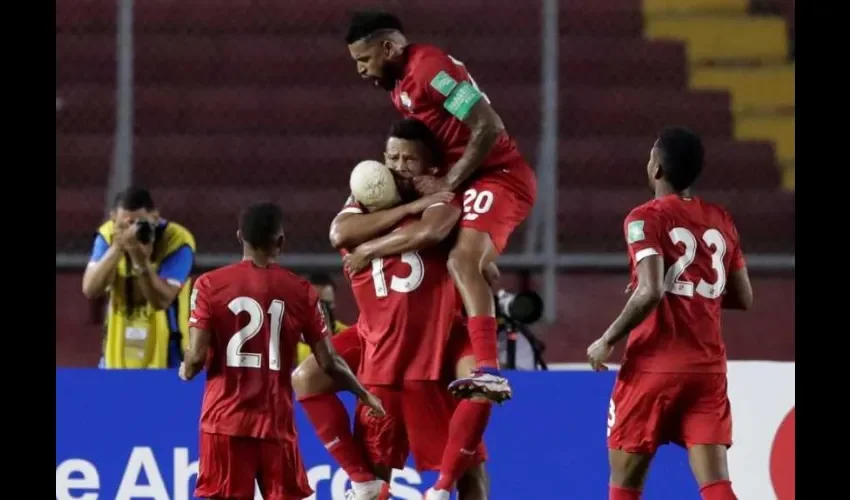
[628,470]
[708,463]
[474,484]
[308,379]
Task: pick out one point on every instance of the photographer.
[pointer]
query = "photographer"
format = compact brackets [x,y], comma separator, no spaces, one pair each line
[143,263]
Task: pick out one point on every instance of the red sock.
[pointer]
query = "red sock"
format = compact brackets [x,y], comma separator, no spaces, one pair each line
[330,419]
[482,335]
[466,430]
[718,490]
[619,493]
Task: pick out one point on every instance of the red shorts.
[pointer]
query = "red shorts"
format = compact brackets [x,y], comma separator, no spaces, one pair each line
[499,200]
[229,465]
[417,422]
[651,409]
[347,344]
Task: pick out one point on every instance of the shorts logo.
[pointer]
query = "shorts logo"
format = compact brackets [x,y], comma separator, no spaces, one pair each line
[635,231]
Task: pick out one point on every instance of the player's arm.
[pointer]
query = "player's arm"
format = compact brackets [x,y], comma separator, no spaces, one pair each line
[316,334]
[200,326]
[160,288]
[463,100]
[433,227]
[352,226]
[101,267]
[642,235]
[739,290]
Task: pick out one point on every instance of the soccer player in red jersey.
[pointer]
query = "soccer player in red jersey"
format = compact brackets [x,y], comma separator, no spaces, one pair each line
[499,187]
[245,322]
[409,312]
[686,265]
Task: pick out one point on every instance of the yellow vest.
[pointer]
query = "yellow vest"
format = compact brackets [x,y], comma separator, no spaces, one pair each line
[137,336]
[304,350]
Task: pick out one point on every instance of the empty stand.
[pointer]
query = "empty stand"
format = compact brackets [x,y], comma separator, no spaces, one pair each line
[242,100]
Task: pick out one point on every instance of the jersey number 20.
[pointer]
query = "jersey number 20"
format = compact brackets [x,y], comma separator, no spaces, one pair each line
[235,356]
[672,280]
[397,284]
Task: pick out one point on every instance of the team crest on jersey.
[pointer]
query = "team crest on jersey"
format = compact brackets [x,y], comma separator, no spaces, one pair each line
[405,101]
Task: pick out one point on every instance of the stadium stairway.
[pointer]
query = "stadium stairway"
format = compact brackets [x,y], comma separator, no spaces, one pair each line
[743,47]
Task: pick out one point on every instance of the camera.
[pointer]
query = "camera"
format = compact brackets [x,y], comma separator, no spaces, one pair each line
[514,312]
[144,231]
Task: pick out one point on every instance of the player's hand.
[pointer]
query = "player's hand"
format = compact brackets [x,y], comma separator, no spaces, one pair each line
[427,184]
[597,354]
[355,262]
[422,204]
[374,404]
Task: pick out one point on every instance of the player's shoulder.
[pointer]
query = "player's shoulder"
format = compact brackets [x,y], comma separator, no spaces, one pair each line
[649,209]
[214,279]
[424,61]
[420,52]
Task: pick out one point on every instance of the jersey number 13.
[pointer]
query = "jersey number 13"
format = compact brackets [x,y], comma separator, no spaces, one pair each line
[396,283]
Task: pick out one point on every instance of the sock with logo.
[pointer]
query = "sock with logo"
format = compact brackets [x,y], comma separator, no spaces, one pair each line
[484,340]
[330,419]
[620,493]
[718,490]
[466,430]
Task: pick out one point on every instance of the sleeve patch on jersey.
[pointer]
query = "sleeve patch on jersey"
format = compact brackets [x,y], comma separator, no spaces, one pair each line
[635,231]
[443,83]
[193,299]
[461,100]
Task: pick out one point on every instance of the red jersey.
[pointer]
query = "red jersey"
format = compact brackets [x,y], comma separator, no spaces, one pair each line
[408,304]
[699,244]
[256,317]
[432,84]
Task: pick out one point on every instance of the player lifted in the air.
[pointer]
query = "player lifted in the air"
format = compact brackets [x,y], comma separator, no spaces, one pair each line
[687,265]
[482,162]
[406,341]
[246,320]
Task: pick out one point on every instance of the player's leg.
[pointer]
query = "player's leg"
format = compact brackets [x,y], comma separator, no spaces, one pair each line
[638,422]
[706,430]
[227,467]
[494,206]
[384,440]
[474,484]
[430,416]
[316,392]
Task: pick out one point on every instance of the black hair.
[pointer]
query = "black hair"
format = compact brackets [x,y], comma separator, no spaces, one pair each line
[260,224]
[134,198]
[682,156]
[367,22]
[321,279]
[411,129]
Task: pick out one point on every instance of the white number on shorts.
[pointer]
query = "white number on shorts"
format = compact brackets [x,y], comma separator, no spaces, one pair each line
[612,417]
[397,284]
[471,80]
[476,203]
[235,356]
[672,280]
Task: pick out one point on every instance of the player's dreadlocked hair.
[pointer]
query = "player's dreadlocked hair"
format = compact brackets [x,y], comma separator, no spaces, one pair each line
[367,22]
[260,224]
[682,156]
[411,129]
